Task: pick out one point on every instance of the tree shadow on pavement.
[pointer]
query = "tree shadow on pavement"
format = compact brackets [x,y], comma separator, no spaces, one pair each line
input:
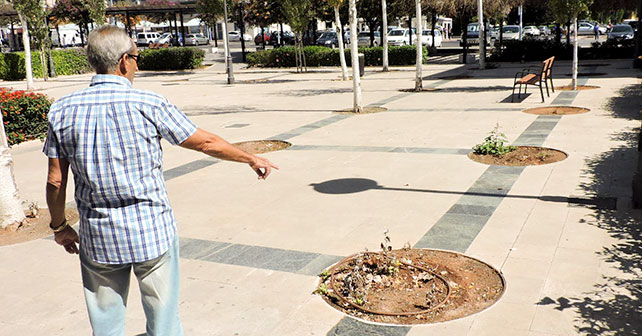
[614,306]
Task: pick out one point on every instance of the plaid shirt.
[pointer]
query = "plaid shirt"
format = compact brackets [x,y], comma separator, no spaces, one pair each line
[110,134]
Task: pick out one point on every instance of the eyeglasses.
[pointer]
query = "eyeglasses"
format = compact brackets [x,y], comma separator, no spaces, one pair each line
[135,57]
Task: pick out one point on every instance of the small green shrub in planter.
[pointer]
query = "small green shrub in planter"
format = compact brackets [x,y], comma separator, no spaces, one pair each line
[71,61]
[24,115]
[494,144]
[323,56]
[177,58]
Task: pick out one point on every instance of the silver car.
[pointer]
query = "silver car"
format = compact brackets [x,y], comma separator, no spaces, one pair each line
[196,39]
[364,39]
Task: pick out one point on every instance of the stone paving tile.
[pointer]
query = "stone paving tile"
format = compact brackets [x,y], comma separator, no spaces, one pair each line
[349,326]
[261,257]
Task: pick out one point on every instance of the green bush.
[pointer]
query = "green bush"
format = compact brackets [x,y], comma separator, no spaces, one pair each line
[324,56]
[539,50]
[66,62]
[171,59]
[24,114]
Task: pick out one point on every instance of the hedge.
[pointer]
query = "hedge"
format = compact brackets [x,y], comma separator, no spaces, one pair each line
[66,62]
[538,50]
[323,56]
[24,115]
[171,59]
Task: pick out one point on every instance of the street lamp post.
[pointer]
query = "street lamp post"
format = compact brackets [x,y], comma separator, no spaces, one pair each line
[228,56]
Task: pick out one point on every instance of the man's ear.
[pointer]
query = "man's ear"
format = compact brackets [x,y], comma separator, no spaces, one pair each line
[122,67]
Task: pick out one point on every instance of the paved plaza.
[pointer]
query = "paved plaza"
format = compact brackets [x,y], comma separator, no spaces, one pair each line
[564,235]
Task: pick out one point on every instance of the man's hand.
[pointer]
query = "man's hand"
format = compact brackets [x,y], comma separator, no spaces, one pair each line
[68,238]
[262,167]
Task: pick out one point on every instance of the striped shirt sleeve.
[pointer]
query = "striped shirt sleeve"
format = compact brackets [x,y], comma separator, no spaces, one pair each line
[52,146]
[173,125]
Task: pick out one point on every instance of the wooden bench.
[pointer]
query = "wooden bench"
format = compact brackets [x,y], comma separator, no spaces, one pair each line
[541,78]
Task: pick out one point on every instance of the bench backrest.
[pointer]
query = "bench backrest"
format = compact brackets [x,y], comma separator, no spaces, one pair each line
[547,67]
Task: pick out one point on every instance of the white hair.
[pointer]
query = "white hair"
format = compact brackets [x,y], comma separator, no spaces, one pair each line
[106,46]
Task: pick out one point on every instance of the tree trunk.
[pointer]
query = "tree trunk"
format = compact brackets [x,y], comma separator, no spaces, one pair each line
[384,15]
[214,30]
[342,53]
[558,33]
[281,39]
[464,24]
[263,37]
[52,68]
[568,34]
[501,35]
[11,211]
[574,80]
[432,30]
[43,62]
[420,48]
[354,53]
[482,35]
[27,45]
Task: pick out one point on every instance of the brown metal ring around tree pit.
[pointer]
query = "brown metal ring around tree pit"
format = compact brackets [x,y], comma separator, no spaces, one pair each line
[425,311]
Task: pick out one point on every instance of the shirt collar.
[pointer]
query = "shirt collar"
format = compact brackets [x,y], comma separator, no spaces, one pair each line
[110,79]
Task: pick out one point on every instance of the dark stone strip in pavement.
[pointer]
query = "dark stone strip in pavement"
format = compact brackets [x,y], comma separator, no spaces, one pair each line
[538,131]
[391,99]
[351,327]
[310,127]
[382,149]
[189,167]
[274,259]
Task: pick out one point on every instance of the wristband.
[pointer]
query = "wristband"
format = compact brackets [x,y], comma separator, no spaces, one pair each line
[59,227]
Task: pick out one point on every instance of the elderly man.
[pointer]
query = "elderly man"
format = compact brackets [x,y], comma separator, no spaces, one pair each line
[109,133]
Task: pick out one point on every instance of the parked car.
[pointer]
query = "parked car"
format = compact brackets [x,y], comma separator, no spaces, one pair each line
[427,38]
[288,38]
[236,36]
[544,30]
[584,28]
[531,31]
[399,37]
[472,34]
[510,33]
[364,39]
[259,40]
[196,39]
[166,38]
[328,39]
[144,39]
[621,34]
[494,33]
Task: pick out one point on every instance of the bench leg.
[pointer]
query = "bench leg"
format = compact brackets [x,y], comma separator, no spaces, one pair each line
[546,82]
[541,91]
[512,97]
[552,86]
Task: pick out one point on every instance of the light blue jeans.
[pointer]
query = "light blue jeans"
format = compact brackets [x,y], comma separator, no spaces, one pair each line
[107,286]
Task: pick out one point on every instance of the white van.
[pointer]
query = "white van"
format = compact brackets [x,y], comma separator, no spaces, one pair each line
[144,39]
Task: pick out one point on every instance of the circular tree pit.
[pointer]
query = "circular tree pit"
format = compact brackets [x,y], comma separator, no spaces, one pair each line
[522,156]
[410,286]
[262,146]
[556,110]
